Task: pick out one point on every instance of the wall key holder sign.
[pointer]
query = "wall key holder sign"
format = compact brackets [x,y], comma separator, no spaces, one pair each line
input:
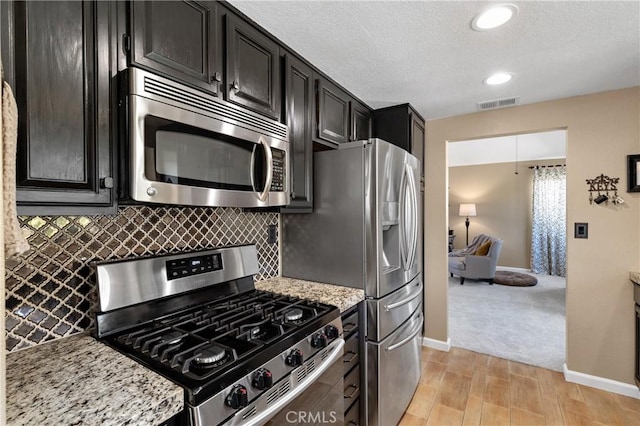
[606,189]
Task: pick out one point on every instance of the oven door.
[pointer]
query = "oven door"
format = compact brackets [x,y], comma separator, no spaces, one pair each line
[183,155]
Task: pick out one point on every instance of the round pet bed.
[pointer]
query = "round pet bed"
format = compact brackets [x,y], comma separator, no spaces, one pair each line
[516,279]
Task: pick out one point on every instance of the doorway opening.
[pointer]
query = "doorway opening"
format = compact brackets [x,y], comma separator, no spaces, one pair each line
[496,177]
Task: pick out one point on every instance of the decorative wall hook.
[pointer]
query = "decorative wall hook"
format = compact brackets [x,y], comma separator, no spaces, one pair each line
[606,189]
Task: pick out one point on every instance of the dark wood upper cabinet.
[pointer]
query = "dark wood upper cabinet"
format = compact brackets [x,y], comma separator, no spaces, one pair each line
[360,122]
[402,126]
[178,38]
[58,58]
[253,68]
[332,113]
[418,139]
[299,97]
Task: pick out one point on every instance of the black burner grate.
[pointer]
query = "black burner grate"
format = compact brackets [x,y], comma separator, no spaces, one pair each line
[239,325]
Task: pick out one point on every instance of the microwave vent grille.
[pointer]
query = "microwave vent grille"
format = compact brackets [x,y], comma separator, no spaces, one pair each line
[213,107]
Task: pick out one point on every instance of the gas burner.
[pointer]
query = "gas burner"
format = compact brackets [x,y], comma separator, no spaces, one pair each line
[209,355]
[171,337]
[264,330]
[294,314]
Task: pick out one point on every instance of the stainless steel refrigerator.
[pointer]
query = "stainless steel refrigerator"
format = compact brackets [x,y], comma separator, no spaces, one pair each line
[365,232]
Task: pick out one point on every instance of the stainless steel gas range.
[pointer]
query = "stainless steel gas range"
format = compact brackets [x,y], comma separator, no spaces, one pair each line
[241,355]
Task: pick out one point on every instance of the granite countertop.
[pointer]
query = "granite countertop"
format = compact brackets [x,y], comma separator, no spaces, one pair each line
[635,277]
[79,380]
[342,297]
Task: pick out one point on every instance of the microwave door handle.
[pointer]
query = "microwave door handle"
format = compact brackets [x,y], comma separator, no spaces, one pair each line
[269,161]
[252,167]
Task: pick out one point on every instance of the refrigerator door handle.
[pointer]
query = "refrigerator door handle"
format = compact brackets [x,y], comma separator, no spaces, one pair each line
[409,219]
[404,243]
[403,302]
[407,339]
[414,219]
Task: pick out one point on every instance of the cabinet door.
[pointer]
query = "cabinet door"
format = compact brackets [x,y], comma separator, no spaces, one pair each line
[333,113]
[177,38]
[417,140]
[360,122]
[59,65]
[253,68]
[299,97]
[393,125]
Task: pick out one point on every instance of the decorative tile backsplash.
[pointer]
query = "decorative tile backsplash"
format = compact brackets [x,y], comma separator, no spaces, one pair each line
[50,291]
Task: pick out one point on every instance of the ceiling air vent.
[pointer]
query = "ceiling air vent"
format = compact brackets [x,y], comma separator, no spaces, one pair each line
[498,103]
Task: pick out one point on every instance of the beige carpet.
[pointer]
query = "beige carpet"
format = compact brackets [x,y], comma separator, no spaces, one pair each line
[525,324]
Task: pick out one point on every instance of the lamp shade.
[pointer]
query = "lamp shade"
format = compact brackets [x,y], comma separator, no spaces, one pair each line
[467,210]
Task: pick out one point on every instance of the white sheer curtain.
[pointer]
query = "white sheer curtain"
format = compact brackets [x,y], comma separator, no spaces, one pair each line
[549,235]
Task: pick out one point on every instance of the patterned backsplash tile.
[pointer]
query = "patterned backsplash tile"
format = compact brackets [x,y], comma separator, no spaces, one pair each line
[50,291]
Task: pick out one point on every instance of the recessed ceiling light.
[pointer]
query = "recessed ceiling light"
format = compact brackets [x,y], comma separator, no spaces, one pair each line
[498,78]
[494,16]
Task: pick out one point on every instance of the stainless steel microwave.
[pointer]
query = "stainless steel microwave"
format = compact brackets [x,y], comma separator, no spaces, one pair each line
[187,147]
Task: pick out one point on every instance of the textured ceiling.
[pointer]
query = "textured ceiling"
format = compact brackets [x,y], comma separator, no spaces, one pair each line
[425,53]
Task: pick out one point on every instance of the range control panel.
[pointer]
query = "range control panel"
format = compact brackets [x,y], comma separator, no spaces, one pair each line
[181,268]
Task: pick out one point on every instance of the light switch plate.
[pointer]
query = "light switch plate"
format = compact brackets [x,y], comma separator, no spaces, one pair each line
[581,230]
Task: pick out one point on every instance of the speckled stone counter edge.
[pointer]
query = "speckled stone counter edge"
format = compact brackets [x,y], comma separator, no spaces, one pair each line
[342,297]
[79,380]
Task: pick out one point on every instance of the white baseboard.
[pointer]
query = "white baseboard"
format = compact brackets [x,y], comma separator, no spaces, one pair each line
[437,344]
[509,268]
[601,383]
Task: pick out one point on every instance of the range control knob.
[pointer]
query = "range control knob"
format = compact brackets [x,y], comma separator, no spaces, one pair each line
[237,398]
[295,358]
[331,331]
[263,379]
[319,340]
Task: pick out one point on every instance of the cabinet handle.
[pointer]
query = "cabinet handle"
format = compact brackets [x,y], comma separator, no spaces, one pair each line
[348,327]
[235,86]
[216,77]
[106,182]
[353,356]
[355,390]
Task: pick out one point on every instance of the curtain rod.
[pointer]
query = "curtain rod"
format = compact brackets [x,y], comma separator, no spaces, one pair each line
[555,165]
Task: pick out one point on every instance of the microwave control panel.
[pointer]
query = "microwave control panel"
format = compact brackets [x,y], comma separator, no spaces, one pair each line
[181,268]
[277,182]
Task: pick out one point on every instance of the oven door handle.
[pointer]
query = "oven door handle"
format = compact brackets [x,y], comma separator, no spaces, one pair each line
[407,339]
[302,386]
[262,196]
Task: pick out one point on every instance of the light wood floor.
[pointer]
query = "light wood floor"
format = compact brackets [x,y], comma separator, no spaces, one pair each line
[461,387]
